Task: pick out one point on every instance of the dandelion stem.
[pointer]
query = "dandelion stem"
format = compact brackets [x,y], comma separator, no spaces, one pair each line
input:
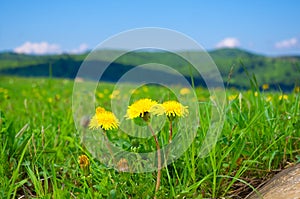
[170,140]
[171,132]
[158,160]
[108,146]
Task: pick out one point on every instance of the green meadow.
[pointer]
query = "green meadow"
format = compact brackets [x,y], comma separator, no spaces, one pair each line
[40,145]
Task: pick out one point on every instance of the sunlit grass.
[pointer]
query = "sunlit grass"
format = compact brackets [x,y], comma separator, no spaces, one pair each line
[40,145]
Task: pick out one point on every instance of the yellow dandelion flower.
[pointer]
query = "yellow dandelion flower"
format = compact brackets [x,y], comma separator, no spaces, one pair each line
[100,95]
[145,89]
[50,100]
[114,94]
[5,93]
[265,86]
[157,109]
[104,119]
[232,97]
[174,108]
[184,91]
[269,98]
[3,90]
[140,108]
[83,161]
[283,97]
[255,93]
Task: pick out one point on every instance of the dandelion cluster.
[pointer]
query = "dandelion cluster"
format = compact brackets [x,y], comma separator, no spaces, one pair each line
[142,108]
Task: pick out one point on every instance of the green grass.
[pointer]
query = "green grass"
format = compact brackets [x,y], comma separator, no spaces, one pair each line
[40,145]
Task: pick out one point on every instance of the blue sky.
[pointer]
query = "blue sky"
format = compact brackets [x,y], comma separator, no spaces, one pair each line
[267,27]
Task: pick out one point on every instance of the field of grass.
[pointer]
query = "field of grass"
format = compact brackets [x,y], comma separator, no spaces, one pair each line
[40,145]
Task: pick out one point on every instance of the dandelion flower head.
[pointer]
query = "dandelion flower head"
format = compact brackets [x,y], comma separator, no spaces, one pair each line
[173,109]
[184,91]
[140,108]
[265,86]
[103,119]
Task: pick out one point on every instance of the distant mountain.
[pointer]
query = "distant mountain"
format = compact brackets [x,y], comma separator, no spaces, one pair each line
[283,72]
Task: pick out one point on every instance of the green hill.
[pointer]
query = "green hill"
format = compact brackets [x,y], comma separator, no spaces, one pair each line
[283,72]
[10,60]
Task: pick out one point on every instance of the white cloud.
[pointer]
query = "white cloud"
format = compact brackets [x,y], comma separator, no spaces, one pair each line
[288,43]
[82,48]
[229,42]
[46,48]
[38,48]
